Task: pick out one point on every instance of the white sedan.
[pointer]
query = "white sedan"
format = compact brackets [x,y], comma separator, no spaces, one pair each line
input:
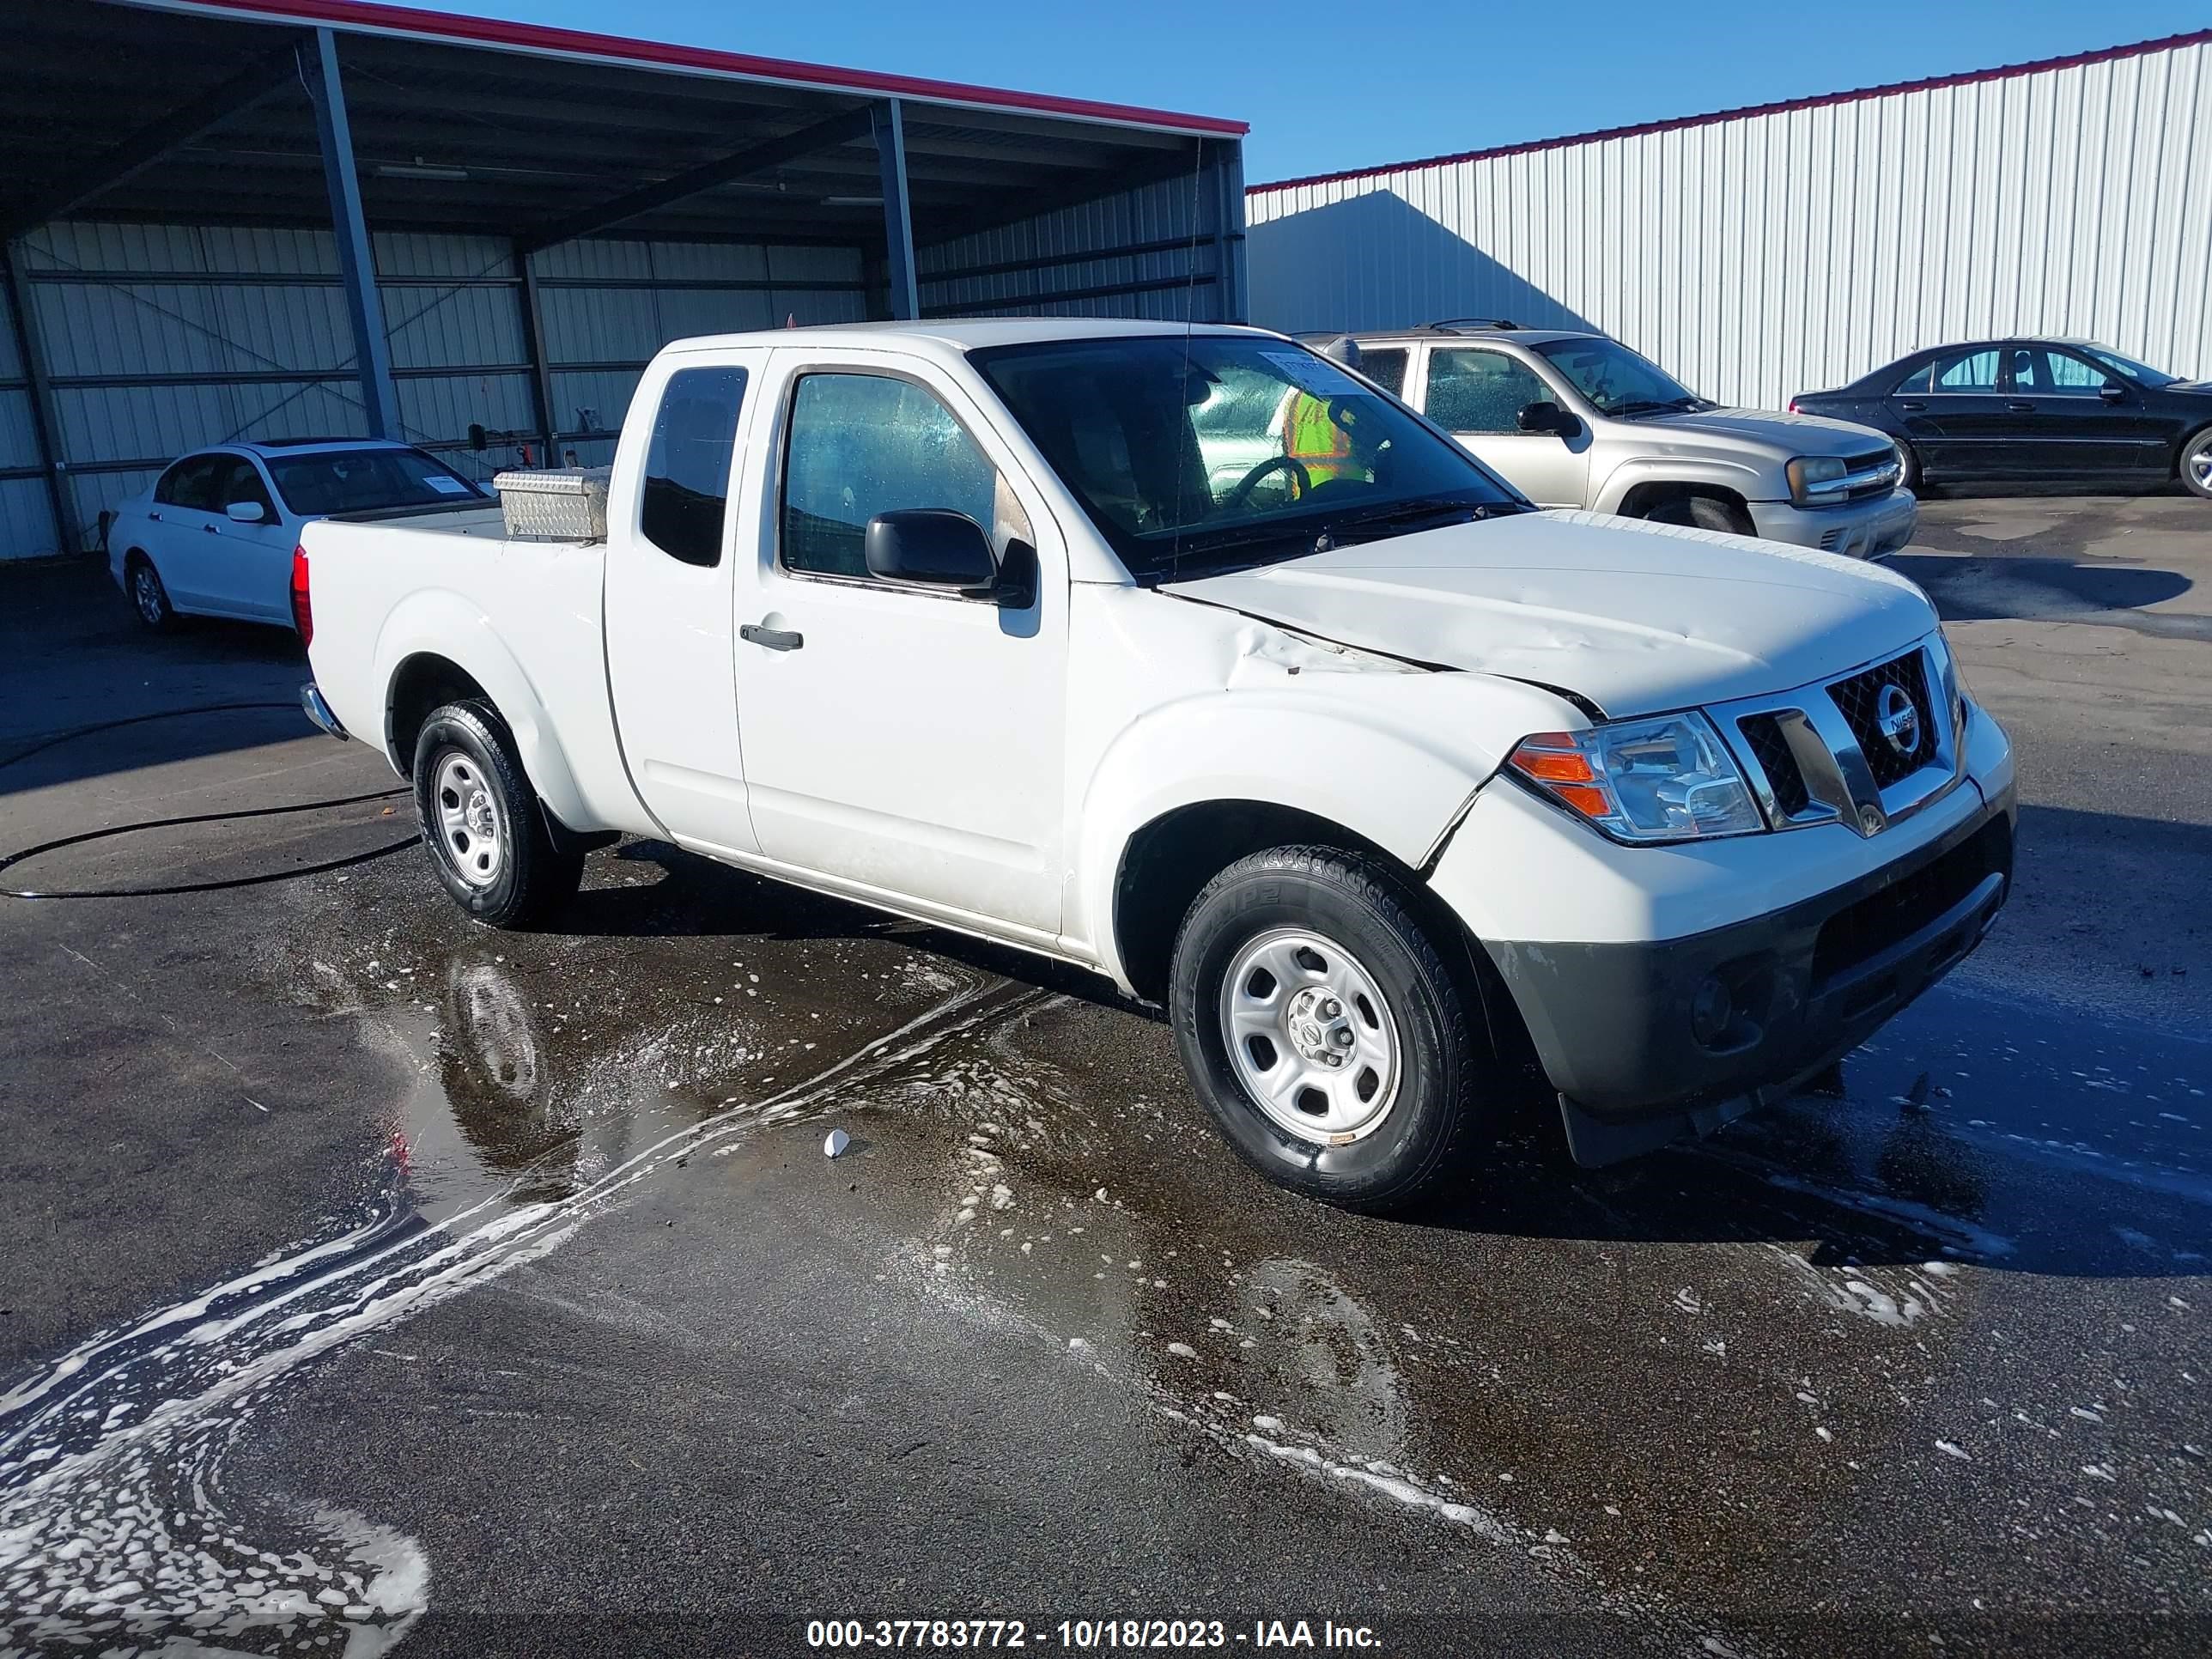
[213,536]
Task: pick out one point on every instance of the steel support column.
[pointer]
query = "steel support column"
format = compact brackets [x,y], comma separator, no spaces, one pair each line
[533,340]
[319,67]
[898,212]
[45,419]
[1229,287]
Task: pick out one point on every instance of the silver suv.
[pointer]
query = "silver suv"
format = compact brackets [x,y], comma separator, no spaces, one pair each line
[1579,420]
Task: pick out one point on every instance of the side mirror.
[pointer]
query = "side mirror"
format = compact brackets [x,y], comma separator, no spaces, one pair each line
[247,513]
[1545,415]
[2112,394]
[932,545]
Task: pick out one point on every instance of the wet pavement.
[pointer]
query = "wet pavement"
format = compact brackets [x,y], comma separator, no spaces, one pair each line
[371,1277]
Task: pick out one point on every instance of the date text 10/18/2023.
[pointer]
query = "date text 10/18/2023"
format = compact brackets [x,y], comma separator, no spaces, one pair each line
[1088,1635]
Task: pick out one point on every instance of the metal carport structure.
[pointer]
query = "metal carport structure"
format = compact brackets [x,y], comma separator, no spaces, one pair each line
[233,219]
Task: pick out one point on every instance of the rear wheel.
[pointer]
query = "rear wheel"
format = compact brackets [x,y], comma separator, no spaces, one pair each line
[1332,1041]
[482,823]
[1908,466]
[2195,467]
[149,597]
[1704,512]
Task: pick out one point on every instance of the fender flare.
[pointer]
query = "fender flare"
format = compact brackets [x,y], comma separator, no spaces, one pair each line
[440,622]
[1384,780]
[1737,477]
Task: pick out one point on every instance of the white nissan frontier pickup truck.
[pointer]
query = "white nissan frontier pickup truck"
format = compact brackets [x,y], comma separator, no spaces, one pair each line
[1192,657]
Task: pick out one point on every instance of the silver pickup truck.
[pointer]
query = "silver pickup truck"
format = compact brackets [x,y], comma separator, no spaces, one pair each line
[1574,419]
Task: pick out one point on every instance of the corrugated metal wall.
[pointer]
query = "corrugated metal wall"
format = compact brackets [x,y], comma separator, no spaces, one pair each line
[1761,256]
[607,307]
[1163,251]
[27,520]
[161,339]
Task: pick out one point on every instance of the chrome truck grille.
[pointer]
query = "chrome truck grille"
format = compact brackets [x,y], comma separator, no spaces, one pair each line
[1866,748]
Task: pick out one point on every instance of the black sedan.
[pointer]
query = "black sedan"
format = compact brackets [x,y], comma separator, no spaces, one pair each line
[2033,409]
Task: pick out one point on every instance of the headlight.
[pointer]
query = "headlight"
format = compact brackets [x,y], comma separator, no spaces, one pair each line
[1816,480]
[1668,778]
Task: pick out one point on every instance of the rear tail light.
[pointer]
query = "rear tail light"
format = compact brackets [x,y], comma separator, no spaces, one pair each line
[303,614]
[1794,410]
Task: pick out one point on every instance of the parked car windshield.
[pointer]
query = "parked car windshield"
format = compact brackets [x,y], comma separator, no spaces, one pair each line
[2141,373]
[1215,451]
[327,481]
[1618,382]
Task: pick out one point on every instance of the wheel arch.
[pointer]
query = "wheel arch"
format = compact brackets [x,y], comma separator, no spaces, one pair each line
[438,641]
[1168,861]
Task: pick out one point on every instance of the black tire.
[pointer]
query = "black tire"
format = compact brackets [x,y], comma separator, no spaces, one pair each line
[524,878]
[1908,464]
[150,600]
[1446,1091]
[1704,512]
[2194,465]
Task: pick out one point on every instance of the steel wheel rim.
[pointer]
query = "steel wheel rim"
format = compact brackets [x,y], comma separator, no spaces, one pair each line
[1292,998]
[147,590]
[471,824]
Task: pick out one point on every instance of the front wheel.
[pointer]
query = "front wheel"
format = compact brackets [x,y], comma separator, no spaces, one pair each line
[2197,464]
[1332,1041]
[482,821]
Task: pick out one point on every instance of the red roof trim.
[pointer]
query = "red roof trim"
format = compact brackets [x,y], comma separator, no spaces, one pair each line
[1969,78]
[537,38]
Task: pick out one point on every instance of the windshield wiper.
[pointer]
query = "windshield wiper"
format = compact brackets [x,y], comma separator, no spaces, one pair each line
[1388,519]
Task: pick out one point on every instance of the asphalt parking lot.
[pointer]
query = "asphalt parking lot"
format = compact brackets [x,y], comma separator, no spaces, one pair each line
[368,1277]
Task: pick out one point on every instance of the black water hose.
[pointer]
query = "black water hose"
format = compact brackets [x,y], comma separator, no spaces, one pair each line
[9,860]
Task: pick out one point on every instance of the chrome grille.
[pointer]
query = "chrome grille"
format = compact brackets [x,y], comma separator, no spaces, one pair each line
[1874,473]
[1859,699]
[1821,754]
[1764,734]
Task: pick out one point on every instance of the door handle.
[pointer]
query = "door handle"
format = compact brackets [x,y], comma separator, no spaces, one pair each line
[211,530]
[1912,406]
[156,517]
[2021,408]
[775,639]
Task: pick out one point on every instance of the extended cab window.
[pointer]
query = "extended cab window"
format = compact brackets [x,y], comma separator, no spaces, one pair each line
[687,468]
[1474,390]
[864,444]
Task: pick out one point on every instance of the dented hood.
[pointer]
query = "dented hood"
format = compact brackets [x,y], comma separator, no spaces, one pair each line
[1636,617]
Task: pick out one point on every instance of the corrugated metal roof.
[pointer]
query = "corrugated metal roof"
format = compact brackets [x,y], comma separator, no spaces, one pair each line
[1818,100]
[540,39]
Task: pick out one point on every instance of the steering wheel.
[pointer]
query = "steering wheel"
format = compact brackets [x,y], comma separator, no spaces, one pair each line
[1301,480]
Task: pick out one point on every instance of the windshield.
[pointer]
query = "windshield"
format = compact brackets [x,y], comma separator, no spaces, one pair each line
[2141,373]
[1217,450]
[1618,382]
[327,481]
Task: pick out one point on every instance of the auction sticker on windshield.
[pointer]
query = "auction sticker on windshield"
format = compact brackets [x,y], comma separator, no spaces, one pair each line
[1315,375]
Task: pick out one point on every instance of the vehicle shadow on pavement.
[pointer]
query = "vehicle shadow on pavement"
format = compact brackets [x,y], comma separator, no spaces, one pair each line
[1854,1164]
[1985,587]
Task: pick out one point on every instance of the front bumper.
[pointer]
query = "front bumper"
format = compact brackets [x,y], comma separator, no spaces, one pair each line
[1613,1023]
[1871,529]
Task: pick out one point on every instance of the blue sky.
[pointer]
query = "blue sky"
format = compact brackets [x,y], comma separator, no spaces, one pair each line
[1338,86]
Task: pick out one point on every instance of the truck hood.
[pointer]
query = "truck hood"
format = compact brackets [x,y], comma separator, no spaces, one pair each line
[1788,435]
[1638,619]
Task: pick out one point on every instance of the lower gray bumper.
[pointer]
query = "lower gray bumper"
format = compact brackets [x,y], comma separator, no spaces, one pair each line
[311,701]
[1871,529]
[1613,1023]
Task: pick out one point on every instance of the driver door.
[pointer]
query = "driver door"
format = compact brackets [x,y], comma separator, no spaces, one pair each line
[1477,393]
[251,573]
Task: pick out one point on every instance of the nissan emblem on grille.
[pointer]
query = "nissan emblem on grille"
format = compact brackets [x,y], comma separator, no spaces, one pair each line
[1898,720]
